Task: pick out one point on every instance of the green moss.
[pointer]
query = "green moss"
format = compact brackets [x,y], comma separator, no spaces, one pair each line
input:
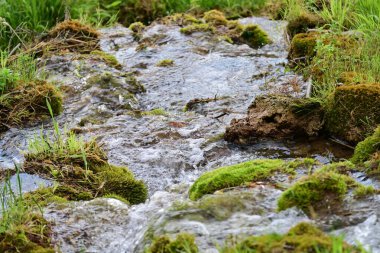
[352,113]
[311,191]
[254,36]
[365,149]
[26,102]
[215,17]
[303,23]
[363,191]
[181,19]
[233,175]
[218,207]
[197,28]
[304,237]
[110,60]
[81,170]
[29,233]
[165,63]
[120,181]
[183,243]
[340,167]
[302,47]
[135,86]
[137,27]
[155,112]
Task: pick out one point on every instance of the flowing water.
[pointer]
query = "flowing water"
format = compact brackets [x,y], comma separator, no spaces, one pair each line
[170,151]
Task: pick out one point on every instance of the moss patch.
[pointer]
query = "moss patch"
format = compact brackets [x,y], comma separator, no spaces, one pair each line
[304,237]
[234,175]
[215,17]
[302,48]
[182,243]
[303,23]
[368,147]
[190,29]
[137,27]
[311,191]
[254,36]
[29,233]
[165,63]
[26,102]
[69,35]
[352,113]
[155,112]
[110,60]
[81,170]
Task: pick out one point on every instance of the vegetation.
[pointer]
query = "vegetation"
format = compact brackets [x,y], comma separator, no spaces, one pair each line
[80,168]
[23,94]
[183,243]
[22,226]
[165,63]
[303,237]
[365,149]
[238,174]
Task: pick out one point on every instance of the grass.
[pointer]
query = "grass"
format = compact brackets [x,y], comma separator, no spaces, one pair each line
[80,168]
[22,226]
[24,92]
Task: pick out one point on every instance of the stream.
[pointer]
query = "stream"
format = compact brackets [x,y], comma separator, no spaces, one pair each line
[170,151]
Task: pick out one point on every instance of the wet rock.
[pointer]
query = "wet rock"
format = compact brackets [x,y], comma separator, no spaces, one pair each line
[303,23]
[353,112]
[276,116]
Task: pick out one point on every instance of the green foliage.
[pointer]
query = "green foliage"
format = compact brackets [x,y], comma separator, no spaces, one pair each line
[233,8]
[155,112]
[184,243]
[22,227]
[304,237]
[190,29]
[367,147]
[310,191]
[165,63]
[233,175]
[80,168]
[337,13]
[254,36]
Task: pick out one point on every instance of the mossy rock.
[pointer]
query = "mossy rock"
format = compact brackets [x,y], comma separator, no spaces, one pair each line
[181,19]
[27,102]
[367,148]
[313,191]
[302,238]
[233,175]
[215,17]
[30,233]
[190,29]
[120,181]
[303,23]
[302,48]
[353,111]
[137,27]
[182,243]
[254,36]
[109,59]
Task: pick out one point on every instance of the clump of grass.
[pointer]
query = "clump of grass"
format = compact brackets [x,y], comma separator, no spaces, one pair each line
[190,29]
[304,237]
[22,226]
[155,112]
[165,63]
[23,94]
[234,175]
[80,168]
[182,243]
[107,58]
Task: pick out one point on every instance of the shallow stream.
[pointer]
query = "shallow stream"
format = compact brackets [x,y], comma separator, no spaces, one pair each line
[170,151]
